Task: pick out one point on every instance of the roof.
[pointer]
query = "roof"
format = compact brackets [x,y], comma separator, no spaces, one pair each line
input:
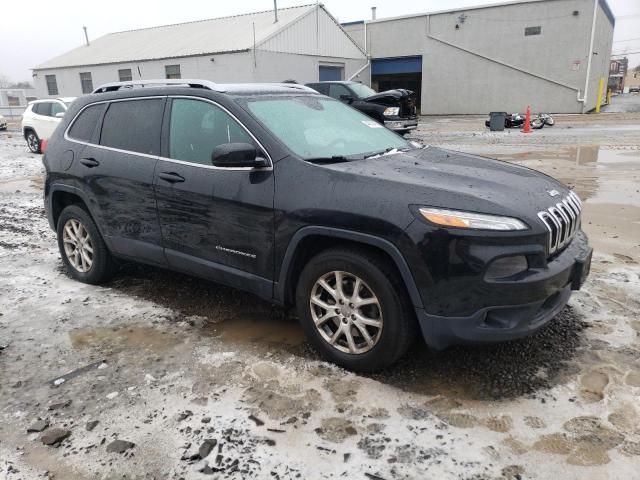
[203,37]
[603,4]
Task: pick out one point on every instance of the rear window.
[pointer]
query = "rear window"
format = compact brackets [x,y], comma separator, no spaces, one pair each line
[133,125]
[85,124]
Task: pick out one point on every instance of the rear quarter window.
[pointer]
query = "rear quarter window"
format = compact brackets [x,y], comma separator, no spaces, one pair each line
[85,124]
[133,125]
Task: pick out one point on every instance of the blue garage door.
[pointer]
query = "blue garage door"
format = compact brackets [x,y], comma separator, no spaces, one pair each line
[386,66]
[328,74]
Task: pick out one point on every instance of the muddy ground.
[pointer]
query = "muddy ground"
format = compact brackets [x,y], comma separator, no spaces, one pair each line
[207,382]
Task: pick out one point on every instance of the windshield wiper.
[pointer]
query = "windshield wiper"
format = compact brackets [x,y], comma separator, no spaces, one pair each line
[332,159]
[386,150]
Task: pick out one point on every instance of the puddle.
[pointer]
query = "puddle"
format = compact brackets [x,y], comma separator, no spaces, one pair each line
[599,175]
[259,330]
[146,338]
[26,185]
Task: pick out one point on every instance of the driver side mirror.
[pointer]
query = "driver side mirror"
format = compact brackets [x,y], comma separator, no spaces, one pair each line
[237,155]
[347,98]
[60,114]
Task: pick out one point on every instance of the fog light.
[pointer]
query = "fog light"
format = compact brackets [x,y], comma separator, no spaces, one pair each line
[506,267]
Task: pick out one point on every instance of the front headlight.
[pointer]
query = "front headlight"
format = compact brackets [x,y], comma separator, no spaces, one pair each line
[391,111]
[470,220]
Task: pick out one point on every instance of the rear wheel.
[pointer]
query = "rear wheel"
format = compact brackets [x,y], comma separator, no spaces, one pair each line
[82,248]
[33,142]
[354,309]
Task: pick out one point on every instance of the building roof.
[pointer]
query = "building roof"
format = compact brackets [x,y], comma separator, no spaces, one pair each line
[203,37]
[603,4]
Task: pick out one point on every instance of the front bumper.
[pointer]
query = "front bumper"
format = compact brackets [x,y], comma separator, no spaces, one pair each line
[552,286]
[402,124]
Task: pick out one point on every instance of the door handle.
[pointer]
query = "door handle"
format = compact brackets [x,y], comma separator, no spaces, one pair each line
[171,177]
[89,162]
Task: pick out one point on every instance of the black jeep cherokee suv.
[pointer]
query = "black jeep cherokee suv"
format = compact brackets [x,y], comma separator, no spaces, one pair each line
[301,200]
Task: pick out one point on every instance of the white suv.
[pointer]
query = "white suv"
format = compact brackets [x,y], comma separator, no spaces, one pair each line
[41,118]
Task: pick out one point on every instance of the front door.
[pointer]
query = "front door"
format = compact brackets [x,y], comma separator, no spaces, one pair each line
[216,222]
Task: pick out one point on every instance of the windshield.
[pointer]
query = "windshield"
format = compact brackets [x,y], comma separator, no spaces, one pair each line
[362,91]
[318,127]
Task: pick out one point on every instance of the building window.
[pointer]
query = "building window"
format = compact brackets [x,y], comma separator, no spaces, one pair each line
[86,82]
[172,71]
[532,31]
[52,85]
[125,75]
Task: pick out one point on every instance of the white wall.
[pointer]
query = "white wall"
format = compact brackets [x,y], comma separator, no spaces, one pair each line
[488,64]
[228,68]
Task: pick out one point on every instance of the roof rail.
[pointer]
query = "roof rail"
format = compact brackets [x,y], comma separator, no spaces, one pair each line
[191,83]
[295,86]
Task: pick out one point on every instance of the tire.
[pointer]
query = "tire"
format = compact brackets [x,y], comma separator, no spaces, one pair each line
[33,141]
[387,305]
[88,267]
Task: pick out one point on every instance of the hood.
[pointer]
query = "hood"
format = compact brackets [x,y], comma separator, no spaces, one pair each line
[389,95]
[444,178]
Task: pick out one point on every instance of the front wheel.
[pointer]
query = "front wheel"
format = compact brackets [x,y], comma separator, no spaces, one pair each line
[354,309]
[537,124]
[84,253]
[33,142]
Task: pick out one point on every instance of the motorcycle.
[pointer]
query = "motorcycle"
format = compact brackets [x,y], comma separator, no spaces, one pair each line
[548,119]
[516,120]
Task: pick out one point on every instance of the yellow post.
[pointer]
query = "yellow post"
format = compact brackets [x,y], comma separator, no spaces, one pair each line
[600,92]
[609,96]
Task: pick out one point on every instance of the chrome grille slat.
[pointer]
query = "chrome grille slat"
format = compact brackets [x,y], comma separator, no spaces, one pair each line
[562,221]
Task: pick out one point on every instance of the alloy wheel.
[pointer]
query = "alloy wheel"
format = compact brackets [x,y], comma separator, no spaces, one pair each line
[78,246]
[32,142]
[346,312]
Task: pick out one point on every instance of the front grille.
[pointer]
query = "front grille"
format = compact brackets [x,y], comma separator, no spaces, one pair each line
[562,220]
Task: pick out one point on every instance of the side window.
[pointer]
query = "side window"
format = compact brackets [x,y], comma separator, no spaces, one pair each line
[124,75]
[133,125]
[323,88]
[86,82]
[84,125]
[336,89]
[43,108]
[52,84]
[197,127]
[56,108]
[172,71]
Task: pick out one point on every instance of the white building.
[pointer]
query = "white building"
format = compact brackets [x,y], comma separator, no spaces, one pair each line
[302,43]
[550,54]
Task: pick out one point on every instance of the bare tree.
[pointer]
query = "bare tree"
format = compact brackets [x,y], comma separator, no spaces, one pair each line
[4,81]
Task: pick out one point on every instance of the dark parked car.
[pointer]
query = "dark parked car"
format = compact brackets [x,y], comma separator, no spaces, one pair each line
[634,89]
[395,109]
[303,201]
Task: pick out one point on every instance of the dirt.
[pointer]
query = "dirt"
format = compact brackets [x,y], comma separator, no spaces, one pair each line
[167,362]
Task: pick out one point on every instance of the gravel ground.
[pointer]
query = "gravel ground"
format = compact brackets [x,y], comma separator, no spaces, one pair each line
[158,375]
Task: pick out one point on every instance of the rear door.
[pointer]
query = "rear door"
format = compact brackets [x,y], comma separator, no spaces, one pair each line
[216,222]
[116,168]
[43,122]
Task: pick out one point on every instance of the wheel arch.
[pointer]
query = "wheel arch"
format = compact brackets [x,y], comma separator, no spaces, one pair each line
[321,238]
[62,196]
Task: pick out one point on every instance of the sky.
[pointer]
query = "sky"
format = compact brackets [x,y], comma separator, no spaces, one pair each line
[55,27]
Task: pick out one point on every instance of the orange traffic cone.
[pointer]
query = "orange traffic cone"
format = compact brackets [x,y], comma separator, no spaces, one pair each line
[527,121]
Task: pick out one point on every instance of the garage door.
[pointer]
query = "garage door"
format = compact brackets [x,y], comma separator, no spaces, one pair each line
[330,73]
[388,66]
